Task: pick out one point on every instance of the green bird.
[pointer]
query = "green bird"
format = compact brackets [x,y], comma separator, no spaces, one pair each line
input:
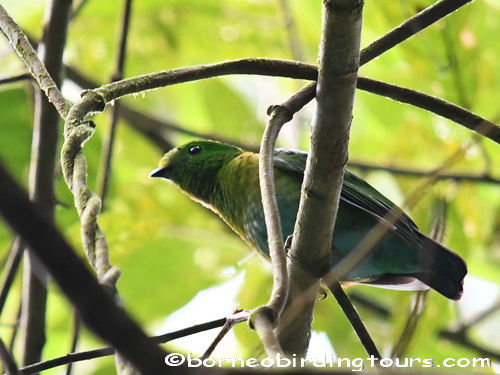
[225,179]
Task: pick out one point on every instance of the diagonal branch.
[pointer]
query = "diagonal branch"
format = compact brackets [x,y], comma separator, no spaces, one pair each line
[433,104]
[29,56]
[410,27]
[94,305]
[43,163]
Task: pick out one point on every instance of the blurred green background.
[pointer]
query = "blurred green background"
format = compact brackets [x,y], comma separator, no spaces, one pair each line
[180,264]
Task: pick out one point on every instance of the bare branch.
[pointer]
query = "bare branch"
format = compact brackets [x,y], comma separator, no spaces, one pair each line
[94,305]
[419,173]
[17,78]
[7,360]
[271,211]
[353,317]
[108,145]
[43,163]
[238,317]
[102,352]
[280,114]
[29,56]
[410,27]
[263,320]
[433,104]
[339,61]
[10,270]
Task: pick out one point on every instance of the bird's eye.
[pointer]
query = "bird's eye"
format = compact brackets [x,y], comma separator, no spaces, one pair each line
[193,150]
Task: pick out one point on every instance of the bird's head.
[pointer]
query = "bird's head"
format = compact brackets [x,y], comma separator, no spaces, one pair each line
[194,166]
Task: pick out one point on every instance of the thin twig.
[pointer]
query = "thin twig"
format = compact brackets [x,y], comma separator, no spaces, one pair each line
[103,352]
[291,31]
[108,145]
[96,100]
[103,177]
[239,316]
[8,362]
[479,317]
[10,270]
[462,339]
[419,173]
[17,78]
[353,317]
[407,333]
[74,341]
[410,27]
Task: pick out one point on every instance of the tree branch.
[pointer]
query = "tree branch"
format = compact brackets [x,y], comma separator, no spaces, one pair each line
[433,104]
[43,165]
[353,317]
[108,144]
[339,61]
[8,362]
[17,78]
[485,178]
[279,115]
[10,270]
[410,27]
[239,316]
[103,352]
[94,305]
[29,56]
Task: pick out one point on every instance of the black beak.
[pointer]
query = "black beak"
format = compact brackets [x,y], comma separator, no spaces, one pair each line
[160,172]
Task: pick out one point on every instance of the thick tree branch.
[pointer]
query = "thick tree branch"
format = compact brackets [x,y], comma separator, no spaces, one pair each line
[339,61]
[94,305]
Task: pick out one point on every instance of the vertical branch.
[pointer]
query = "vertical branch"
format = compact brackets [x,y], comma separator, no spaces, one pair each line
[292,33]
[266,318]
[105,169]
[41,181]
[311,246]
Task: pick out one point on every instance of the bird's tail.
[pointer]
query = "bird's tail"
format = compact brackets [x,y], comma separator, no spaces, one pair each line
[441,269]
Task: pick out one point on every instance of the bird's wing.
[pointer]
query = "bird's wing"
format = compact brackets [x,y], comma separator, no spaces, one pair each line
[356,192]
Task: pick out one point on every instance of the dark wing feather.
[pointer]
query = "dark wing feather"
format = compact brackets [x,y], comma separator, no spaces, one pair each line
[357,192]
